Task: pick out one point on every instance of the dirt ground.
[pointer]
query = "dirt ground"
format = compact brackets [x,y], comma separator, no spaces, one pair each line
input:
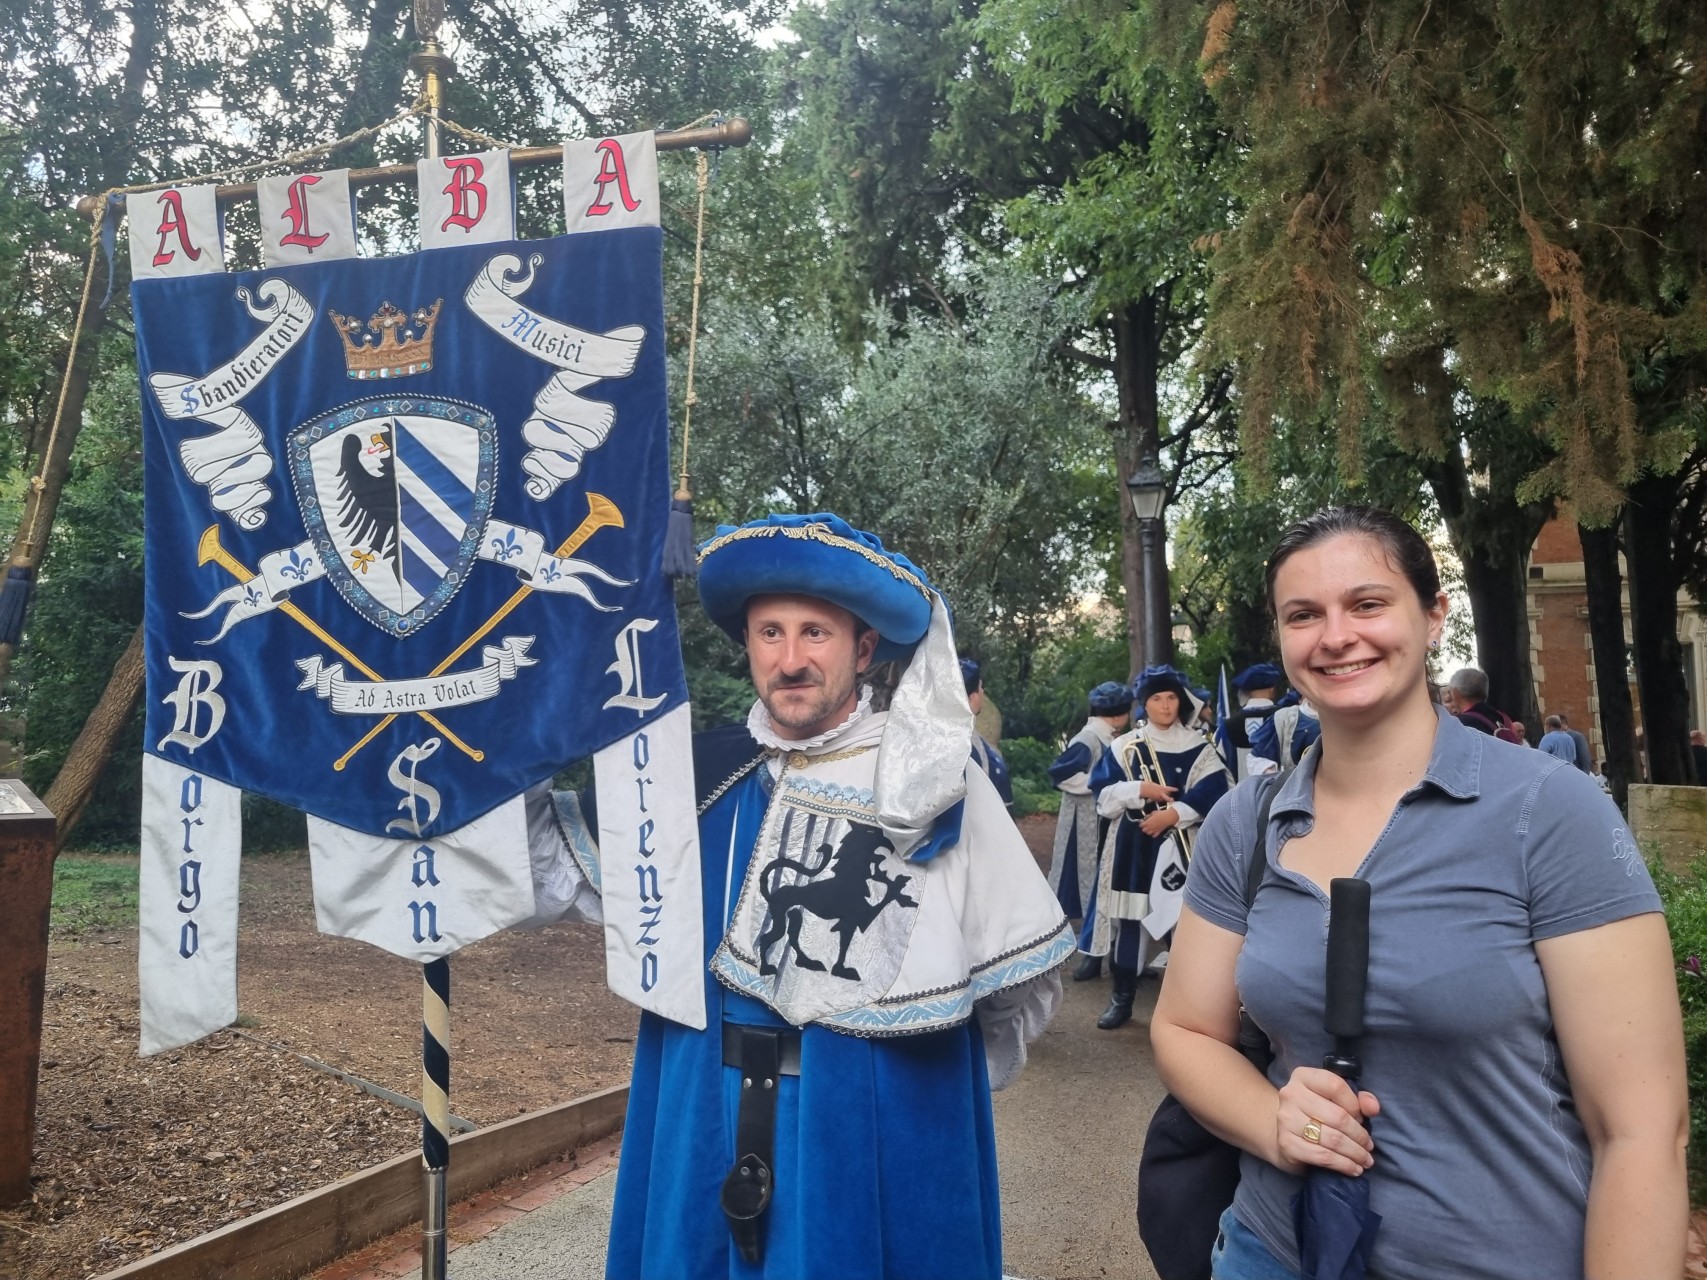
[135,1154]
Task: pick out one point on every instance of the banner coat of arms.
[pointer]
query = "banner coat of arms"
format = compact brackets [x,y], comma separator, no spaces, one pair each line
[404,524]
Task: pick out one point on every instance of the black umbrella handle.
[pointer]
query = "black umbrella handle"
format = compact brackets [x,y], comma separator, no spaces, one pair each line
[1348,973]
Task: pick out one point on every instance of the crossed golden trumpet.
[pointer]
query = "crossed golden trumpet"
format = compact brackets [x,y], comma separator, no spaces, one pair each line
[601,513]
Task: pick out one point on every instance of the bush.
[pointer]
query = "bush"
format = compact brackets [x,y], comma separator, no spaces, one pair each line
[1685,899]
[1028,765]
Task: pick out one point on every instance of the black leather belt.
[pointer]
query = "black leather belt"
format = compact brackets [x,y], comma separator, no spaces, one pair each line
[763,1055]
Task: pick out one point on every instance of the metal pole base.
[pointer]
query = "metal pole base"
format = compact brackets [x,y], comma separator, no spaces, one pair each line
[433,1214]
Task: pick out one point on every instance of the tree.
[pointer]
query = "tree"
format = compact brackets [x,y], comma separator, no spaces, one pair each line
[929,440]
[1501,192]
[941,126]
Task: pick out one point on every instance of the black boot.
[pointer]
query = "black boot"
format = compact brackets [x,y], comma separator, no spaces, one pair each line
[1119,1011]
[1089,967]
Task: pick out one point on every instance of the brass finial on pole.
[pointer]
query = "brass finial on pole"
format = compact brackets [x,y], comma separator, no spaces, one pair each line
[433,64]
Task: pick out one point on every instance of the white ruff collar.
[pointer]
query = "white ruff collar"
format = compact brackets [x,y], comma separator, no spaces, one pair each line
[1176,737]
[759,725]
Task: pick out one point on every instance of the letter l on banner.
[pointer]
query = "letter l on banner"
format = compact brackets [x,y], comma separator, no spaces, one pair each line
[192,837]
[649,870]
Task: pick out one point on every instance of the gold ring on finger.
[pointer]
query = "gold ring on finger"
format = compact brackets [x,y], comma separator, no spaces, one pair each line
[1312,1131]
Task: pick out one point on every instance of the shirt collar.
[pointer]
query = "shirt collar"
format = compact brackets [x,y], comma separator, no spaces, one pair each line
[1454,768]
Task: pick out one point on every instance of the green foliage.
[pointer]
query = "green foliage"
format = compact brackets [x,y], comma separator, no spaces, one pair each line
[1493,197]
[88,604]
[92,895]
[956,442]
[1685,898]
[1041,685]
[1028,761]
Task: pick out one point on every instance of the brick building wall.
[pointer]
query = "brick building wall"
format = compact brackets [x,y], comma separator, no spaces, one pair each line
[1559,645]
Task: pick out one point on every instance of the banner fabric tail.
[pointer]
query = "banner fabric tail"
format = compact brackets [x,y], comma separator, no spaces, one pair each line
[192,836]
[649,870]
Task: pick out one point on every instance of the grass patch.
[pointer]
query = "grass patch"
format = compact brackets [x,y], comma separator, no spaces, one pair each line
[93,894]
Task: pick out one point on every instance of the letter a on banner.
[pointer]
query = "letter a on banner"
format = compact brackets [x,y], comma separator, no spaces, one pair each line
[610,182]
[192,835]
[174,233]
[306,217]
[466,199]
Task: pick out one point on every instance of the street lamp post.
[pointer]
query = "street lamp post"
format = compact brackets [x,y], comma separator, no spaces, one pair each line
[1149,490]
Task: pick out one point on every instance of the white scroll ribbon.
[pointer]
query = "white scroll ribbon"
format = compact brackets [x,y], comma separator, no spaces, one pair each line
[234,462]
[499,662]
[564,426]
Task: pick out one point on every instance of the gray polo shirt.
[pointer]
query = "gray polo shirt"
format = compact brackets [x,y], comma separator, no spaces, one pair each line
[1481,1163]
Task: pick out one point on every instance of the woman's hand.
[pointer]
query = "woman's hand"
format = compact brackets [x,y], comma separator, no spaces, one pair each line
[1156,791]
[1154,824]
[1319,1124]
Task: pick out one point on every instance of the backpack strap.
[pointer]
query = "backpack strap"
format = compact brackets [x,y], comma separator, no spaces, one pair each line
[1253,1040]
[1259,852]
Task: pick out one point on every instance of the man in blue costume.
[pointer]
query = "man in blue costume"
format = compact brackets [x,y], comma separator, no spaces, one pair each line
[880,944]
[1078,828]
[1155,785]
[1280,741]
[1256,686]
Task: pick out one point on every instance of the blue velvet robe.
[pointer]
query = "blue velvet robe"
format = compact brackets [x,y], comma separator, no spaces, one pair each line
[885,1148]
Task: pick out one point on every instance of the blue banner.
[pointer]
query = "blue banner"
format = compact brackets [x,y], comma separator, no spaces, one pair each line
[404,523]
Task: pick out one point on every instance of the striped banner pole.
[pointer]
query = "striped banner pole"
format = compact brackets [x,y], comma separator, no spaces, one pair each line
[435,1112]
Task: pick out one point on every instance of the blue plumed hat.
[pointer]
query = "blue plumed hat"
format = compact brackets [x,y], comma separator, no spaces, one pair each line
[1264,675]
[1110,698]
[818,555]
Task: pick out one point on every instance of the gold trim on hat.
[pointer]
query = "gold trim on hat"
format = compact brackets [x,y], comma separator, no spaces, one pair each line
[816,532]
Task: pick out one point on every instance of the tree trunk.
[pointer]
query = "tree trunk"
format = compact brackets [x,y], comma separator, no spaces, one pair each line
[1611,660]
[1653,574]
[87,759]
[1137,364]
[1492,534]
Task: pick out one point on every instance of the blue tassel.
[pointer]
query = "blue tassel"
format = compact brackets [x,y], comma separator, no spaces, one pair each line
[15,602]
[680,560]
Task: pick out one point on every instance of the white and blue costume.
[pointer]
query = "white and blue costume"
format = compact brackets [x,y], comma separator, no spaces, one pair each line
[1282,739]
[876,926]
[1142,877]
[1078,828]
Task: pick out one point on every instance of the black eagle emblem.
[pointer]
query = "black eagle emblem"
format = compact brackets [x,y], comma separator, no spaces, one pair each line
[367,491]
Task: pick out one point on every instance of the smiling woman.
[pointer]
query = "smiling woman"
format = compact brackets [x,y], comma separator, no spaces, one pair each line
[1524,1111]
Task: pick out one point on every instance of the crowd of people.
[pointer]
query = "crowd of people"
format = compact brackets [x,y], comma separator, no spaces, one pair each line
[881,948]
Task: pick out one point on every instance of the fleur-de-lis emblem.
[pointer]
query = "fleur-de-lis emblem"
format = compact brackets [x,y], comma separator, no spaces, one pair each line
[550,573]
[360,560]
[298,567]
[251,596]
[508,547]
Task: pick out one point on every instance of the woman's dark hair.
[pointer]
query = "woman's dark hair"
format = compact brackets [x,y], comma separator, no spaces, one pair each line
[1404,546]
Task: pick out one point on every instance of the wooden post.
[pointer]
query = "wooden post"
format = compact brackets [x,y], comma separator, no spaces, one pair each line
[26,888]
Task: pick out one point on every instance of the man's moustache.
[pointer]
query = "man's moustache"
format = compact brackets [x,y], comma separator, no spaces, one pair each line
[803,682]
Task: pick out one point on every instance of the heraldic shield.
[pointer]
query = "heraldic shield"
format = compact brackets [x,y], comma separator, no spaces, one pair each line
[396,494]
[455,590]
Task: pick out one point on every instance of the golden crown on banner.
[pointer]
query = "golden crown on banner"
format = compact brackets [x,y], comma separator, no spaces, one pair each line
[392,344]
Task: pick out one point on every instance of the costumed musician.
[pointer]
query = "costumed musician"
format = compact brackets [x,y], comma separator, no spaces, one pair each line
[1256,686]
[1280,741]
[1154,785]
[881,946]
[1079,829]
